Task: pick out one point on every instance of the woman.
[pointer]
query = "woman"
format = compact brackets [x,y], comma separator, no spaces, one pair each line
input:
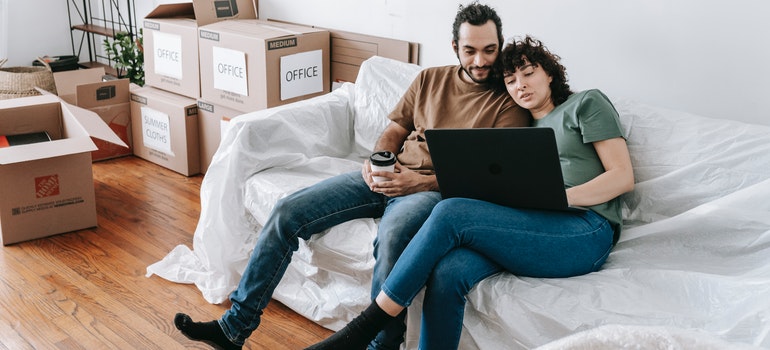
[464,240]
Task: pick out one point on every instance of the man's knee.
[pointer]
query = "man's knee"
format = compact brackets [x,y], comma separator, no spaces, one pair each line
[388,246]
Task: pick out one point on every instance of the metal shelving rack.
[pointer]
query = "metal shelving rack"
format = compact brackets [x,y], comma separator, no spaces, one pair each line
[95,20]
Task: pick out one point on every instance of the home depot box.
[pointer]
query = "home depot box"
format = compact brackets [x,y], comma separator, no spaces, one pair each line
[210,119]
[250,65]
[109,99]
[165,129]
[47,188]
[171,41]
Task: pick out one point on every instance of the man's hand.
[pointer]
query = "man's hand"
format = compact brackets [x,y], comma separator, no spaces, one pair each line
[401,182]
[366,172]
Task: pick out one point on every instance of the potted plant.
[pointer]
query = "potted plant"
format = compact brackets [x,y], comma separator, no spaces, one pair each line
[128,56]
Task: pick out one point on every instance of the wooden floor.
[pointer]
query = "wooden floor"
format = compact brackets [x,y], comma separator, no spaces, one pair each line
[88,290]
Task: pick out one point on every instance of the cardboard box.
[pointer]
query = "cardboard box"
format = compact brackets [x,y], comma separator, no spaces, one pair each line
[165,129]
[350,50]
[250,65]
[171,52]
[171,41]
[109,99]
[47,188]
[210,119]
[210,11]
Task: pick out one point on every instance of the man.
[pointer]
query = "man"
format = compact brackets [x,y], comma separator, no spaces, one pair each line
[463,96]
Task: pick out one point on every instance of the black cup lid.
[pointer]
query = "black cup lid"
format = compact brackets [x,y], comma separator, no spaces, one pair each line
[383,158]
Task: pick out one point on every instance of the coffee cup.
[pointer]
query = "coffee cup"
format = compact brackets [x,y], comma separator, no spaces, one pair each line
[382,161]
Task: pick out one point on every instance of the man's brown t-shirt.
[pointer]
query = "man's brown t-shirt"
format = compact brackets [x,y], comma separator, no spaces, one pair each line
[439,98]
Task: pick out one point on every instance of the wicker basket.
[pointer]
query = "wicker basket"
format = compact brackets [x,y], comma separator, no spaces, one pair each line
[21,81]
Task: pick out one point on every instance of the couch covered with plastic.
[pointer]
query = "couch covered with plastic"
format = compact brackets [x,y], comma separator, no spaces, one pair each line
[693,260]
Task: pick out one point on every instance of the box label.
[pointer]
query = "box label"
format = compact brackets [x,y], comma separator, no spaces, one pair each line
[281,44]
[156,130]
[230,70]
[208,107]
[27,209]
[46,186]
[106,92]
[168,54]
[190,111]
[226,8]
[301,74]
[151,25]
[138,99]
[205,34]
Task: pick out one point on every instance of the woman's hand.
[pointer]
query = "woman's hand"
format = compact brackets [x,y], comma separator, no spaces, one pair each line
[618,177]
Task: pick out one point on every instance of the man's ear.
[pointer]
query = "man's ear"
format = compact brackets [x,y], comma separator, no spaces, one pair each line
[454,46]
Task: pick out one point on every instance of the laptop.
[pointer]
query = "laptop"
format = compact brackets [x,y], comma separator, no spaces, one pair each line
[515,167]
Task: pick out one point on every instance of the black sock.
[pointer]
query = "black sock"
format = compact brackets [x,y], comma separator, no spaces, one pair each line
[358,333]
[208,332]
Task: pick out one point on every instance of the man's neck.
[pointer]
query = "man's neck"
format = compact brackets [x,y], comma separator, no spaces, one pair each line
[465,77]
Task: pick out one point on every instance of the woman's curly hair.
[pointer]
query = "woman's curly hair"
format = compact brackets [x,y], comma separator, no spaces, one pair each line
[516,54]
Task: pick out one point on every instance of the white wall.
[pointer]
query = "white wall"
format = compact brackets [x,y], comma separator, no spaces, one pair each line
[3,29]
[27,32]
[32,28]
[710,57]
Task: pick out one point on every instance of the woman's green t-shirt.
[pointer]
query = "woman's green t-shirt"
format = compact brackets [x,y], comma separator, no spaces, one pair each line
[585,117]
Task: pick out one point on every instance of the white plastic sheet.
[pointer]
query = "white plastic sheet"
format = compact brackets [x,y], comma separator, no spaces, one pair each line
[226,231]
[695,254]
[271,153]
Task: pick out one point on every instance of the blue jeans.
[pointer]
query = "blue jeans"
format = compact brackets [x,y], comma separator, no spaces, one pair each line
[464,241]
[311,210]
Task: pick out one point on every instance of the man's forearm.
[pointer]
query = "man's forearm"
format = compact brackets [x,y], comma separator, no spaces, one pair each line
[392,138]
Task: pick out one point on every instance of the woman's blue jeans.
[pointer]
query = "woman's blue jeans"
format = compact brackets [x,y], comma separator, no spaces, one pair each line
[464,241]
[311,210]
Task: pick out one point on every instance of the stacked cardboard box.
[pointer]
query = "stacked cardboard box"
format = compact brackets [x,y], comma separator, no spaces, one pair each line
[171,65]
[171,41]
[165,128]
[227,66]
[212,122]
[250,65]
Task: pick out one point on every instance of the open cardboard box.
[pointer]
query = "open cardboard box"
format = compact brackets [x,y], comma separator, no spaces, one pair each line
[109,99]
[47,188]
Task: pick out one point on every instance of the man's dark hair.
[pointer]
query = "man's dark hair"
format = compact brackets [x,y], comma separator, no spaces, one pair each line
[477,14]
[530,49]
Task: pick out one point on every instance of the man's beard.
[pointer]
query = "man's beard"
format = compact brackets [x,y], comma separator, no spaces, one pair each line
[478,81]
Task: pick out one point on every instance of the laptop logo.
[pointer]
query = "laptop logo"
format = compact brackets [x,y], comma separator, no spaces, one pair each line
[495,169]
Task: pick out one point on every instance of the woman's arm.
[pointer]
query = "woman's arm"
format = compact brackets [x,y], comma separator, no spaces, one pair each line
[617,178]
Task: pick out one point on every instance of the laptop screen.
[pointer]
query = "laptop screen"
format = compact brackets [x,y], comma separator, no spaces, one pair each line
[516,167]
